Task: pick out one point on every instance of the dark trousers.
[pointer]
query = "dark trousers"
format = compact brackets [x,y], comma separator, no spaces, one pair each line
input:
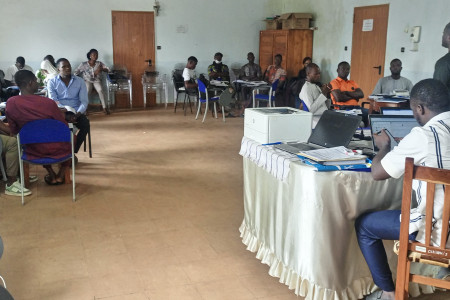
[371,229]
[84,127]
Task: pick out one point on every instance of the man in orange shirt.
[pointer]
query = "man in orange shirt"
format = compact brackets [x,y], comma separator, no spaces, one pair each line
[345,92]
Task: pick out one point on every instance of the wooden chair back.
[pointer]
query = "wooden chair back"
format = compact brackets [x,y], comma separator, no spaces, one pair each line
[422,252]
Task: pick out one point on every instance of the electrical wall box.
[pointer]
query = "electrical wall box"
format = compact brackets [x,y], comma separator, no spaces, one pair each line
[415,34]
[277,124]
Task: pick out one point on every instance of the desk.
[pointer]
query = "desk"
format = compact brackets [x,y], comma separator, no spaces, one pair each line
[376,105]
[303,226]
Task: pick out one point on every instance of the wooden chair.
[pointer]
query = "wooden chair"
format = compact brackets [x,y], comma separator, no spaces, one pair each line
[414,251]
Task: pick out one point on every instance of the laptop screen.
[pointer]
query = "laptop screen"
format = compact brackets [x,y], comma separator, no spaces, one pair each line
[334,129]
[397,126]
[396,111]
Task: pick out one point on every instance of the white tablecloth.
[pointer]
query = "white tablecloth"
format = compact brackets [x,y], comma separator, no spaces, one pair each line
[302,224]
[304,228]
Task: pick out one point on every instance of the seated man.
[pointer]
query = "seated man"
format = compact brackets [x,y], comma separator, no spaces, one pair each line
[388,84]
[313,96]
[217,70]
[29,107]
[10,151]
[19,65]
[250,72]
[189,75]
[70,90]
[345,92]
[429,145]
[275,71]
[302,73]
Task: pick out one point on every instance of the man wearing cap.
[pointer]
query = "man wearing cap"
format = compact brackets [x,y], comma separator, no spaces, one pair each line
[217,70]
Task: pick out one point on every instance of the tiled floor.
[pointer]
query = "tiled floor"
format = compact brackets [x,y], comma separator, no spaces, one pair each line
[157,216]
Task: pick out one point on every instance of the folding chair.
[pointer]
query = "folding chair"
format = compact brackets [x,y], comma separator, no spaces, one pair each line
[44,131]
[178,86]
[428,252]
[270,97]
[207,100]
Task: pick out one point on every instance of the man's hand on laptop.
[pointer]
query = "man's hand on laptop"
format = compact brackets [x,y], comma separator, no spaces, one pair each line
[382,140]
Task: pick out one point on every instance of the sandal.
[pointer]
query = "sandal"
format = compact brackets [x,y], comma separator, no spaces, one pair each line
[49,181]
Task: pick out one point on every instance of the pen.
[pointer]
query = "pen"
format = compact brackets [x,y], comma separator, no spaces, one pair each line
[269,144]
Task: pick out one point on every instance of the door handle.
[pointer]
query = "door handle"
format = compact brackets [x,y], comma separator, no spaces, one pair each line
[379,69]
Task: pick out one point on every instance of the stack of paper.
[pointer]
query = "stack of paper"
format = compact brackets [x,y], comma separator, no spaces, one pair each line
[334,156]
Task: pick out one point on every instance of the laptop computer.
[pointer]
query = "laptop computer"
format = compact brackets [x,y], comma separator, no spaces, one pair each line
[333,129]
[396,126]
[396,111]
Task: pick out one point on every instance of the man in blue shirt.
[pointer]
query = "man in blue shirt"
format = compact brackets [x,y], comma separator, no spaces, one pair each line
[70,90]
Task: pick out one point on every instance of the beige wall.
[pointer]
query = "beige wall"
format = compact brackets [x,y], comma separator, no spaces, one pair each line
[334,22]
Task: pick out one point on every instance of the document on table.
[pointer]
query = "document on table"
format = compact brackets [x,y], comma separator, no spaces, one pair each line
[334,156]
[354,111]
[218,83]
[391,100]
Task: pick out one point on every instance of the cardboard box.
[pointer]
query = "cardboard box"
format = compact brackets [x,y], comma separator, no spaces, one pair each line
[272,24]
[295,20]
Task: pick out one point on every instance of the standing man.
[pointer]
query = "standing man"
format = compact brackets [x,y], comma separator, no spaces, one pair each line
[217,70]
[11,71]
[429,145]
[442,67]
[388,84]
[70,90]
[313,96]
[345,92]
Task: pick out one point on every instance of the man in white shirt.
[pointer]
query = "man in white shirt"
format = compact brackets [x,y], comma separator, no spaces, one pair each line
[429,145]
[388,84]
[189,75]
[314,97]
[11,71]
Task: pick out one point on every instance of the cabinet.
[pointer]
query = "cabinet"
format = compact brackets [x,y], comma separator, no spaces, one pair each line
[292,44]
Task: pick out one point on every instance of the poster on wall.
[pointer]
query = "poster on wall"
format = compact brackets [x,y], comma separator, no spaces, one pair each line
[367,25]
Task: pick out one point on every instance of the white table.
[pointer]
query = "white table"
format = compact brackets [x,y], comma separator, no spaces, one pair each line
[302,224]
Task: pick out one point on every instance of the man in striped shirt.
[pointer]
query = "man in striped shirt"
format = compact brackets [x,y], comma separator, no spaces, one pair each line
[429,145]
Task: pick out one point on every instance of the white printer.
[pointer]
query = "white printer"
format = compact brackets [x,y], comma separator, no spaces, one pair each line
[277,124]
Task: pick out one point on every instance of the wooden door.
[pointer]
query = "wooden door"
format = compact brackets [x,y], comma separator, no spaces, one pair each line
[133,44]
[369,45]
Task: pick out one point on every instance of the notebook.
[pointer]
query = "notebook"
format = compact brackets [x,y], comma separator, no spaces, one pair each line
[333,129]
[396,126]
